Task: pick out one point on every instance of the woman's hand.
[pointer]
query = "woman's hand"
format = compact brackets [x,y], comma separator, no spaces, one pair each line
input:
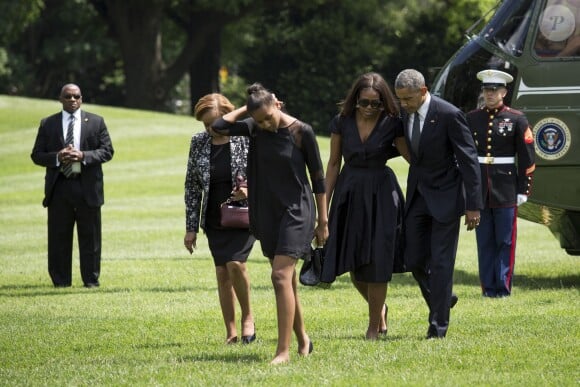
[190,240]
[240,193]
[321,234]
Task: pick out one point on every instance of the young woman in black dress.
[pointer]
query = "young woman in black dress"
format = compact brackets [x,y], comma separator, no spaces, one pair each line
[282,206]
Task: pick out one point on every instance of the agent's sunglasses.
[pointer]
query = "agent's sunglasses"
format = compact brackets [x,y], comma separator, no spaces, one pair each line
[373,103]
[69,96]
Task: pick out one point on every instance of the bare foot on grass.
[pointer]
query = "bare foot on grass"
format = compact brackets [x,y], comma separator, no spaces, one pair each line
[281,359]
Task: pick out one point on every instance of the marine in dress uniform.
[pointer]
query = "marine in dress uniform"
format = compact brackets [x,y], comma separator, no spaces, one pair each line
[505,148]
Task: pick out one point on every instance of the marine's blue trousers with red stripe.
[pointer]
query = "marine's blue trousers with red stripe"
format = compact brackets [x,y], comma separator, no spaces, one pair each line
[496,247]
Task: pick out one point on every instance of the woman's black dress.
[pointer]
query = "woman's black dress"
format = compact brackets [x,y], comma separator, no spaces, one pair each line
[281,201]
[225,244]
[366,212]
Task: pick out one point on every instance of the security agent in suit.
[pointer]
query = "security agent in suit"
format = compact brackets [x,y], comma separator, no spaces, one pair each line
[505,149]
[73,186]
[443,184]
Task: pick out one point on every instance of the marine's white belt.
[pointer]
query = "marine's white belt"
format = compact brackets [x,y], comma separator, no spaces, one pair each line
[496,160]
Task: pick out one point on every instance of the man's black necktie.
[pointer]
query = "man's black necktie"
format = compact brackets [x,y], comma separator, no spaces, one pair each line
[70,131]
[67,168]
[416,133]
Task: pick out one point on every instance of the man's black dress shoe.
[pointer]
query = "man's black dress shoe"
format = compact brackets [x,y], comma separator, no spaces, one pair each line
[432,334]
[92,285]
[454,299]
[62,285]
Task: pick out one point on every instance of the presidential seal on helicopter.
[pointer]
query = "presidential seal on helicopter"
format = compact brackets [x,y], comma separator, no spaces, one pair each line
[537,42]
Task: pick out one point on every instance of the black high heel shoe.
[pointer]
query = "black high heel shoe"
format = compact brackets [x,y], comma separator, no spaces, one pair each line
[250,338]
[310,349]
[384,331]
[232,340]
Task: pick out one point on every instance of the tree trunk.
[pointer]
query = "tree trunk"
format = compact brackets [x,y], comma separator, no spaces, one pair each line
[136,25]
[203,72]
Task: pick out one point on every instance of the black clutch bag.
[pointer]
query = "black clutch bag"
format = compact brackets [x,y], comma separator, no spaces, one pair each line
[312,267]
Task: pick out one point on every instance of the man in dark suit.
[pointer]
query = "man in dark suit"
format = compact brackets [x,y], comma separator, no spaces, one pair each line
[443,184]
[72,145]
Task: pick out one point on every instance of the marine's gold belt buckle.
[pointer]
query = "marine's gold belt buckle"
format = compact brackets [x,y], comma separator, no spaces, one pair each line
[488,160]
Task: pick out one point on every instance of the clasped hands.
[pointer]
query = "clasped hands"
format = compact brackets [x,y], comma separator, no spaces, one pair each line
[70,154]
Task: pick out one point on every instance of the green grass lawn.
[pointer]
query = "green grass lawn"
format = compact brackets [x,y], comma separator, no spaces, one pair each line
[155,320]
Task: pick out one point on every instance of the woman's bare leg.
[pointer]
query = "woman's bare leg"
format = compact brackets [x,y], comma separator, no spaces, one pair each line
[283,272]
[240,280]
[299,327]
[373,293]
[376,300]
[227,300]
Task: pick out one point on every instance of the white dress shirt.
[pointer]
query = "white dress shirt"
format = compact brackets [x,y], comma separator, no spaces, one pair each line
[422,112]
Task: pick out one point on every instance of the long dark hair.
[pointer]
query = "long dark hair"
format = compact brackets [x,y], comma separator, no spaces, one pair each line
[370,81]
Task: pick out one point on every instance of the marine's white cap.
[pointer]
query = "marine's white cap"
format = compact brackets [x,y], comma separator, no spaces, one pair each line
[494,78]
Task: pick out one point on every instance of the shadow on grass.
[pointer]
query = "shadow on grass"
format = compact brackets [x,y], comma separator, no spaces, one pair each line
[221,357]
[531,282]
[49,290]
[462,277]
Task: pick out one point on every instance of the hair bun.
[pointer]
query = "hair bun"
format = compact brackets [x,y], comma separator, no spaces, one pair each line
[255,88]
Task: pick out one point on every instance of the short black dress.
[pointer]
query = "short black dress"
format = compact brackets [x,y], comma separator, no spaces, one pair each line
[281,201]
[225,244]
[366,213]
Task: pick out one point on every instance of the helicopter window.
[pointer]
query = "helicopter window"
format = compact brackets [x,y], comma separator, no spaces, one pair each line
[509,26]
[558,33]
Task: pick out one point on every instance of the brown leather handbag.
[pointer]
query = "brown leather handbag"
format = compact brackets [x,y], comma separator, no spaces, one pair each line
[234,215]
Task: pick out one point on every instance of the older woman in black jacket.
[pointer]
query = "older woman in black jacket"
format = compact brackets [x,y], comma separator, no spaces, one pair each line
[215,164]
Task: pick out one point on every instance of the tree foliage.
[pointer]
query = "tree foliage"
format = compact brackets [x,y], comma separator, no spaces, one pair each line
[136,52]
[65,43]
[310,62]
[17,16]
[310,56]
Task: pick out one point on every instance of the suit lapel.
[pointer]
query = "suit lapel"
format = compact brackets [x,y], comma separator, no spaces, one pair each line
[405,118]
[429,124]
[84,128]
[58,124]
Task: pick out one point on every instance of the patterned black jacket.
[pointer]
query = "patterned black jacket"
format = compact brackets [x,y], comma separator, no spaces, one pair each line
[198,175]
